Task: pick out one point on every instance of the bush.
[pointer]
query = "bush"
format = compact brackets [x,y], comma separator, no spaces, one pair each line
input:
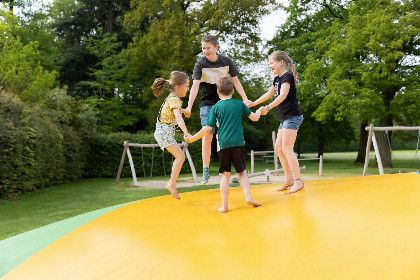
[42,145]
[106,151]
[17,140]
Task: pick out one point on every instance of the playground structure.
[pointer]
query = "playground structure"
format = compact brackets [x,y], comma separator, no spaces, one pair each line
[372,139]
[127,152]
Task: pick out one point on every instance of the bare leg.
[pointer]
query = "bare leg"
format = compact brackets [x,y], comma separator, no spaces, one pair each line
[284,163]
[243,178]
[206,153]
[224,191]
[288,141]
[206,149]
[179,155]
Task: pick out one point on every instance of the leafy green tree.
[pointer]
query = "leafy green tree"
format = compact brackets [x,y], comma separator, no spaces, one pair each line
[308,23]
[370,60]
[21,71]
[11,4]
[167,37]
[357,63]
[79,26]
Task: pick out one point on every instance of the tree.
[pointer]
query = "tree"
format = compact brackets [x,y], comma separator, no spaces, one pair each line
[308,23]
[78,26]
[371,59]
[21,71]
[167,37]
[355,64]
[17,3]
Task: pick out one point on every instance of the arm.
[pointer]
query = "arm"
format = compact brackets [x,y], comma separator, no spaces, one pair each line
[180,121]
[206,129]
[284,91]
[193,95]
[238,86]
[264,97]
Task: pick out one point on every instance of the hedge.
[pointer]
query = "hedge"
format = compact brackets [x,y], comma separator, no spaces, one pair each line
[17,142]
[42,145]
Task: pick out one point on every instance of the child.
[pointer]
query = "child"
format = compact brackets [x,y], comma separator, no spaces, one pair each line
[228,113]
[169,116]
[207,70]
[289,115]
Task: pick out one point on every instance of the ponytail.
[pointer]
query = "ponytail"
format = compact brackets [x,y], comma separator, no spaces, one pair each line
[176,78]
[158,86]
[292,70]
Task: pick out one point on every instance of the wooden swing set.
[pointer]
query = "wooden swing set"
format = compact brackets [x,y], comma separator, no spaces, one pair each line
[372,139]
[127,152]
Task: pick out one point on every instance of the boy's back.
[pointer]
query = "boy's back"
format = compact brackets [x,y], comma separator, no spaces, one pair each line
[228,113]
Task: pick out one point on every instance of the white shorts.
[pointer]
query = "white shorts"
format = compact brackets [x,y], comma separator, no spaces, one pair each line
[164,135]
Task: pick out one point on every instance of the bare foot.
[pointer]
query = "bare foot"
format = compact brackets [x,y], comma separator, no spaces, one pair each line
[286,185]
[173,191]
[223,209]
[296,188]
[253,203]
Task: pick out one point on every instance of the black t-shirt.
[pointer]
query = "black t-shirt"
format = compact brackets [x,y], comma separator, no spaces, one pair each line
[290,106]
[208,72]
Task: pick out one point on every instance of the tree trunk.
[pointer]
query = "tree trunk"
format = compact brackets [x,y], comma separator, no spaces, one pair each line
[383,138]
[11,5]
[384,145]
[321,147]
[321,142]
[110,18]
[363,137]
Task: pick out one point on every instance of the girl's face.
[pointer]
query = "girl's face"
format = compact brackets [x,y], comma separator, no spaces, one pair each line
[209,50]
[181,90]
[276,67]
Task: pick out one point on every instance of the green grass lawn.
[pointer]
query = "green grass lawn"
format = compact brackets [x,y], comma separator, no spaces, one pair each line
[56,203]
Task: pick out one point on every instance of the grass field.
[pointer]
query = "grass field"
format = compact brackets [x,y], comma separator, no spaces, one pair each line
[56,203]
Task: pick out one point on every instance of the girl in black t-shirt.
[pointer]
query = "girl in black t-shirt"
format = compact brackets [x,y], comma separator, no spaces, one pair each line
[289,115]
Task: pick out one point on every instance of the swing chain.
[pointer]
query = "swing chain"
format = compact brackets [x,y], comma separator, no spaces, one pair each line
[142,161]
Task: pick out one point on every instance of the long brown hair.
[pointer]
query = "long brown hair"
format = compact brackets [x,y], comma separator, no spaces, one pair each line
[176,78]
[282,55]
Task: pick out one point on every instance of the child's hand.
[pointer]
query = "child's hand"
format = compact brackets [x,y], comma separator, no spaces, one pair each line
[248,103]
[186,112]
[264,110]
[188,138]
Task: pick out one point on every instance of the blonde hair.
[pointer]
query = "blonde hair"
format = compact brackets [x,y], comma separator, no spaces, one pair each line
[176,78]
[225,85]
[282,55]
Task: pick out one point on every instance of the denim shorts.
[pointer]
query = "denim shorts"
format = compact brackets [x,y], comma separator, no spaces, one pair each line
[204,113]
[292,123]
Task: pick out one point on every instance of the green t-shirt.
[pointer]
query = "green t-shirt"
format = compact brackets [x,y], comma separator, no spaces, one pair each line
[228,114]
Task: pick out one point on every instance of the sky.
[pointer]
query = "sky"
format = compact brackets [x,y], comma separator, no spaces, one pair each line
[270,23]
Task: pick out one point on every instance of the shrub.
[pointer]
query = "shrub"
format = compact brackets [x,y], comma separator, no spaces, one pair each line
[42,145]
[17,141]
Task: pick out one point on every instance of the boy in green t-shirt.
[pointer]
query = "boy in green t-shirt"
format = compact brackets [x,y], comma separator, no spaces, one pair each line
[228,114]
